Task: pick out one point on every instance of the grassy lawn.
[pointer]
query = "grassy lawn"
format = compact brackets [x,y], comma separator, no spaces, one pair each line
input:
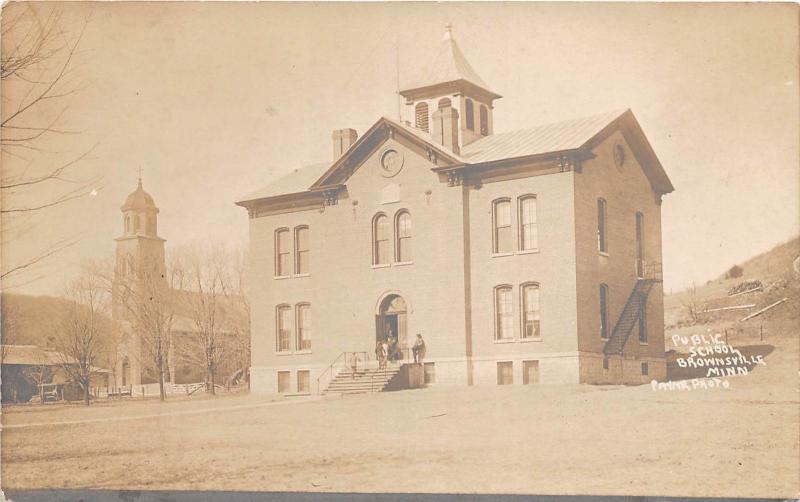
[737,442]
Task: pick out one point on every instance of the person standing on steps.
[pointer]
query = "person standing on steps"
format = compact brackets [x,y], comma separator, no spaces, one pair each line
[419,349]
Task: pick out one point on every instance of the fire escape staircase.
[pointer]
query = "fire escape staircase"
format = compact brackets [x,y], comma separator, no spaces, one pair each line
[628,319]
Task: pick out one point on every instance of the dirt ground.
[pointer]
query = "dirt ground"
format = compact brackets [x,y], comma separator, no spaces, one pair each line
[735,442]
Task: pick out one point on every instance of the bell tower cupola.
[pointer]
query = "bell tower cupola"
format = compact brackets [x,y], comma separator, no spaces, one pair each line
[140,214]
[449,81]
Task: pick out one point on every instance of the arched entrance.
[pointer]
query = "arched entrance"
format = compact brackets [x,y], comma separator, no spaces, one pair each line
[126,372]
[391,319]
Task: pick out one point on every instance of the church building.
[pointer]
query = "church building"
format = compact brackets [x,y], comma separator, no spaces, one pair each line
[139,251]
[524,257]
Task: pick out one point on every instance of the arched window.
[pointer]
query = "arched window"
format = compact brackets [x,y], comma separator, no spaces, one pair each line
[639,244]
[302,250]
[484,121]
[530,310]
[503,313]
[283,328]
[528,231]
[304,326]
[421,113]
[151,225]
[602,238]
[445,103]
[127,224]
[604,311]
[403,236]
[380,239]
[469,111]
[501,221]
[137,223]
[283,252]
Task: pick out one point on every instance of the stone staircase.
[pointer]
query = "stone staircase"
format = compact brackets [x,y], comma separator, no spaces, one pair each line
[364,381]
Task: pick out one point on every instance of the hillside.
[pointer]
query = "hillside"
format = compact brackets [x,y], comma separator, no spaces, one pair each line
[30,320]
[772,268]
[717,308]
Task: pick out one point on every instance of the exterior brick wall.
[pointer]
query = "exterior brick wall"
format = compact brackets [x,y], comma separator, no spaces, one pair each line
[626,191]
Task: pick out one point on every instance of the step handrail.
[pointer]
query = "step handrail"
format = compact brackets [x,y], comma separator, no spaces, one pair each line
[329,369]
[345,356]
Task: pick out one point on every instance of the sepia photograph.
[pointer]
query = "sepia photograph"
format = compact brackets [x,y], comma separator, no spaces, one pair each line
[401,250]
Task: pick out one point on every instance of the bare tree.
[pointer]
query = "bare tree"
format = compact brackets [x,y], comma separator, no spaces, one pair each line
[149,299]
[36,72]
[240,316]
[83,331]
[207,276]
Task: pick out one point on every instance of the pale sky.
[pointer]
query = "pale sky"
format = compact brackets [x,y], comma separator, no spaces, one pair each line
[213,100]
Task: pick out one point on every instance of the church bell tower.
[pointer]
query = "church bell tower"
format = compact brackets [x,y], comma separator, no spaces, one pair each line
[140,250]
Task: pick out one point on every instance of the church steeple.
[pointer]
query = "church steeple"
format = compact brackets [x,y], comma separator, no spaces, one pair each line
[140,251]
[448,80]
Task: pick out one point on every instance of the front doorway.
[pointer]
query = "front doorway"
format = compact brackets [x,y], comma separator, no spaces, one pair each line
[391,320]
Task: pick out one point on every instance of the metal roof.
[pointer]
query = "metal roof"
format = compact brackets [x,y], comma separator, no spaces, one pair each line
[547,138]
[539,140]
[447,65]
[299,180]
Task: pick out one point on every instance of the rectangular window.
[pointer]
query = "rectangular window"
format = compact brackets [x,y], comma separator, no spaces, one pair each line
[430,372]
[284,321]
[530,372]
[605,363]
[504,314]
[283,382]
[304,327]
[505,373]
[602,238]
[642,318]
[529,234]
[304,381]
[604,311]
[502,227]
[283,253]
[302,260]
[645,369]
[530,309]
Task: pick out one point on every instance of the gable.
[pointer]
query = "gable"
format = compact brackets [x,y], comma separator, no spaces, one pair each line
[375,138]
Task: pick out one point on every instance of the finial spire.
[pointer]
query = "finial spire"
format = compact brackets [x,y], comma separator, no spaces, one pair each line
[140,175]
[448,32]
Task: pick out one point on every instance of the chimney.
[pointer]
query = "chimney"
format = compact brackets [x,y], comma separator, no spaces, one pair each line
[445,128]
[342,140]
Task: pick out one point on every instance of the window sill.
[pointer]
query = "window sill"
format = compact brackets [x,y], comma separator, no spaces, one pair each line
[499,255]
[302,275]
[382,265]
[528,251]
[643,343]
[534,339]
[403,263]
[306,351]
[603,339]
[284,353]
[603,253]
[277,277]
[505,340]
